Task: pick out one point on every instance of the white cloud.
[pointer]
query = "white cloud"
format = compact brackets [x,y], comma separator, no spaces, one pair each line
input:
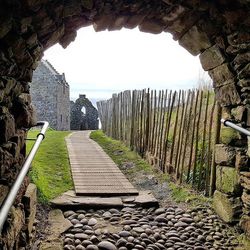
[125,59]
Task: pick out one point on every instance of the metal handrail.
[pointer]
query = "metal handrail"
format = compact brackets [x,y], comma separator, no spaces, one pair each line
[236,127]
[8,202]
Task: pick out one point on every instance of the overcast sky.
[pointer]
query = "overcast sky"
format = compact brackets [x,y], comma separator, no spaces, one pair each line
[102,63]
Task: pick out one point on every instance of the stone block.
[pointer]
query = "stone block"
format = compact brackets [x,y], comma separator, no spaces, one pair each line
[16,222]
[67,38]
[228,95]
[227,207]
[238,113]
[118,23]
[239,37]
[224,155]
[227,180]
[246,196]
[245,224]
[54,37]
[70,199]
[181,25]
[175,13]
[30,202]
[245,181]
[211,58]
[248,116]
[9,84]
[58,224]
[245,72]
[7,127]
[195,41]
[151,26]
[221,75]
[4,190]
[242,59]
[24,99]
[244,83]
[103,22]
[146,199]
[242,162]
[134,21]
[228,135]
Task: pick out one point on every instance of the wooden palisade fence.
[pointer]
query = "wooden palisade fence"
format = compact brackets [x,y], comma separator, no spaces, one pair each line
[174,131]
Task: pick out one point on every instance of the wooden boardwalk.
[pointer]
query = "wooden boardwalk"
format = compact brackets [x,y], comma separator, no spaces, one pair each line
[93,171]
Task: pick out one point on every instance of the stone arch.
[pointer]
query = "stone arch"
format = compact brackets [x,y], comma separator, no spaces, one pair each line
[217,30]
[80,120]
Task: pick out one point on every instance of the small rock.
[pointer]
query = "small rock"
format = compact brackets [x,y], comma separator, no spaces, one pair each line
[106,245]
[92,247]
[159,211]
[80,247]
[81,236]
[92,222]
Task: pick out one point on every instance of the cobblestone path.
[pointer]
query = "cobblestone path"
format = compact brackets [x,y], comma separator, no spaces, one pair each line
[168,228]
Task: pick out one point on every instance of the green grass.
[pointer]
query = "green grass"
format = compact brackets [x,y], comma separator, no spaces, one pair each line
[50,168]
[111,147]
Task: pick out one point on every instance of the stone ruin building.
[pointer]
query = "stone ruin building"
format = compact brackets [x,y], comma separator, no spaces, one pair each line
[218,31]
[83,115]
[50,96]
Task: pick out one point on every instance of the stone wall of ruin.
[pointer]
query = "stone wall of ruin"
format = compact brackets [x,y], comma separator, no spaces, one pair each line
[50,98]
[217,30]
[83,121]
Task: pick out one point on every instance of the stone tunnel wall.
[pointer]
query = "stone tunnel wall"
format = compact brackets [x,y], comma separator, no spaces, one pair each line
[217,30]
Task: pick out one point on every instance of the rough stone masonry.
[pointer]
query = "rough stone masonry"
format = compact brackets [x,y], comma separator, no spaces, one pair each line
[50,96]
[217,31]
[80,120]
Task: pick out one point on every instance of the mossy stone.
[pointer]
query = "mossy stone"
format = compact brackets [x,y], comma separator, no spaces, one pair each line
[227,207]
[227,180]
[228,135]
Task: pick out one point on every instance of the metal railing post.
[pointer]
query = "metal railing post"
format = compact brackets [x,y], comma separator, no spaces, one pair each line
[8,202]
[236,127]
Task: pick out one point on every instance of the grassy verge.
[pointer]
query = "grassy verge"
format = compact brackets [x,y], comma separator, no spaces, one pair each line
[50,168]
[121,155]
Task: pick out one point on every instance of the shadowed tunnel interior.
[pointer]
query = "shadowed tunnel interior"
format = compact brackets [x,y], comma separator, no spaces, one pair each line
[217,31]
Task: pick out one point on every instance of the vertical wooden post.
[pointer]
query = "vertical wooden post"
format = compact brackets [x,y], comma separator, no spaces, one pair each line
[175,129]
[179,135]
[192,136]
[216,141]
[204,132]
[197,140]
[209,154]
[184,136]
[164,109]
[170,111]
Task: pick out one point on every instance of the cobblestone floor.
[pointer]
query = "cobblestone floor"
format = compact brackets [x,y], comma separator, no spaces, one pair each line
[168,228]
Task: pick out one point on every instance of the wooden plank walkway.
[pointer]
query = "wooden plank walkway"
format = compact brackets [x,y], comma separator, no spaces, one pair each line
[93,171]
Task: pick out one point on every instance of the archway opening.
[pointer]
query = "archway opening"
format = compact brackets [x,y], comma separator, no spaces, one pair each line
[217,30]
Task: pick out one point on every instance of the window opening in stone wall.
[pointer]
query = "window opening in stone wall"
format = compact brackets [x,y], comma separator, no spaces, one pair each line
[83,110]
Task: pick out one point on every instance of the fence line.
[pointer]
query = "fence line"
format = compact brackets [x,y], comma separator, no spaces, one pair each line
[174,131]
